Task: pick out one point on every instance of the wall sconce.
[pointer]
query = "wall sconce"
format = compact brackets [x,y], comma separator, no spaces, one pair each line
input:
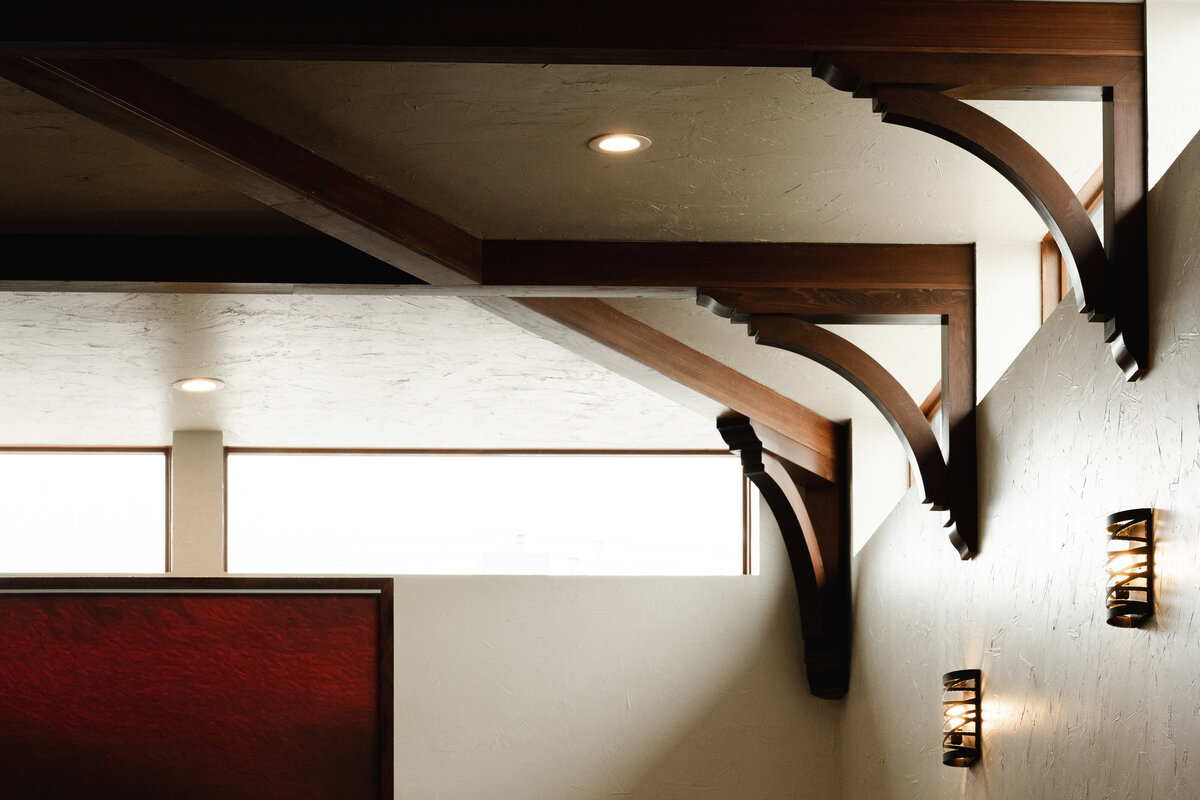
[1130,599]
[961,732]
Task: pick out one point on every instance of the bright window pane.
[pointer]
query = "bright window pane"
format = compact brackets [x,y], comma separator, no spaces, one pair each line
[83,512]
[476,515]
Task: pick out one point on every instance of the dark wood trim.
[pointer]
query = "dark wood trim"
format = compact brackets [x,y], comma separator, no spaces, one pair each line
[745,264]
[387,689]
[169,583]
[977,76]
[1055,284]
[835,306]
[747,529]
[705,375]
[955,312]
[1010,155]
[877,384]
[136,262]
[760,33]
[167,117]
[1126,184]
[813,516]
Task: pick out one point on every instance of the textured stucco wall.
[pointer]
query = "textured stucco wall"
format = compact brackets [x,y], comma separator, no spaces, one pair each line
[1073,708]
[511,688]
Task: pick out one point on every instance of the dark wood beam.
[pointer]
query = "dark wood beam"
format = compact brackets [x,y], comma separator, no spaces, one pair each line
[836,306]
[694,264]
[758,32]
[1055,283]
[876,383]
[978,76]
[813,514]
[138,102]
[163,115]
[215,260]
[1126,183]
[954,310]
[602,323]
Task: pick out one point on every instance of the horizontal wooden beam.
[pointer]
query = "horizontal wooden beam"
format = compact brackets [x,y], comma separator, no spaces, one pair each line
[138,102]
[167,117]
[217,260]
[840,266]
[835,306]
[757,32]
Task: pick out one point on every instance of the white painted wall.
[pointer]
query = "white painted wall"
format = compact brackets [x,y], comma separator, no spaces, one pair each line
[1173,61]
[510,688]
[1072,707]
[1008,297]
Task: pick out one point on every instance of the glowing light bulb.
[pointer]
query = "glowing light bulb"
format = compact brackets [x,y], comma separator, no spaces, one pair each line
[199,385]
[619,143]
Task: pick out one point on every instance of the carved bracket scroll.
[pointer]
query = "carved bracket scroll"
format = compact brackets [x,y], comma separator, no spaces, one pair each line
[813,514]
[1109,279]
[784,318]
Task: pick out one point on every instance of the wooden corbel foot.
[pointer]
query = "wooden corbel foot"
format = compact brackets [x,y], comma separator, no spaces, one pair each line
[813,514]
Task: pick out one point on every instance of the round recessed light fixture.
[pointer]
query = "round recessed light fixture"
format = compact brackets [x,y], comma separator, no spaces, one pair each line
[619,143]
[199,385]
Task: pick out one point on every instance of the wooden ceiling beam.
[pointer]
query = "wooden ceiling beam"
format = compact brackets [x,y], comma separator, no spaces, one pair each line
[142,104]
[760,33]
[167,117]
[694,264]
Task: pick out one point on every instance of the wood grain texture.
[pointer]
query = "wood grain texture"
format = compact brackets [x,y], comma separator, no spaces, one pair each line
[832,266]
[1010,155]
[954,310]
[1125,226]
[976,76]
[762,32]
[606,325]
[814,521]
[834,306]
[876,383]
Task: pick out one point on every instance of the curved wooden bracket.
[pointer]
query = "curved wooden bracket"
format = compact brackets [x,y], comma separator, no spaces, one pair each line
[1116,297]
[813,516]
[1025,168]
[944,490]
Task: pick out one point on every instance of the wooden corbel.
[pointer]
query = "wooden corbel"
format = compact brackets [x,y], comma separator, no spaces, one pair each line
[1109,279]
[785,317]
[813,514]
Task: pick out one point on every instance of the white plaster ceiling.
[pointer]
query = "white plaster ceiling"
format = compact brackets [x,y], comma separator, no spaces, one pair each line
[758,154]
[319,371]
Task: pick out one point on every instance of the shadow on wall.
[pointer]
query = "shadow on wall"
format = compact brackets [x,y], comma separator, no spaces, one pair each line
[753,741]
[512,688]
[1073,709]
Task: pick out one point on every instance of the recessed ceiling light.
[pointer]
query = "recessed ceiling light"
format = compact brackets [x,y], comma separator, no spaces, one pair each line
[619,143]
[199,385]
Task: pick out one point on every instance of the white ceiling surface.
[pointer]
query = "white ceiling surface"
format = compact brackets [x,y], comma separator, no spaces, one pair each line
[316,371]
[737,155]
[758,154]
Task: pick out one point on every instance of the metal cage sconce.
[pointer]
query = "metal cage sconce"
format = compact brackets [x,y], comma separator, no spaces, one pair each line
[962,733]
[1130,595]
